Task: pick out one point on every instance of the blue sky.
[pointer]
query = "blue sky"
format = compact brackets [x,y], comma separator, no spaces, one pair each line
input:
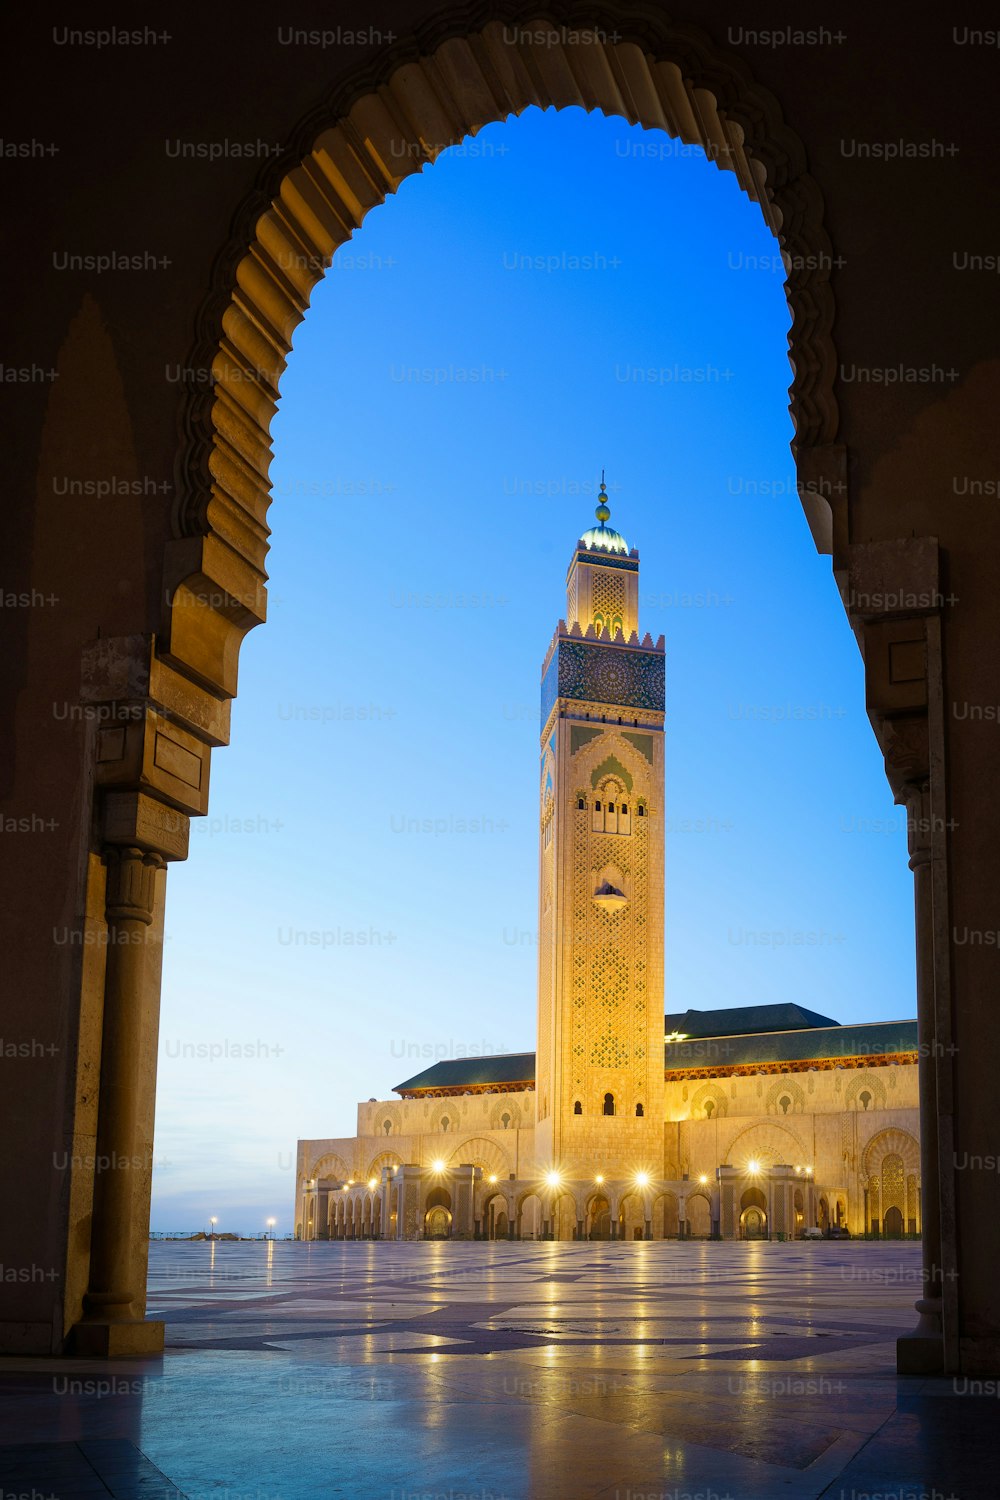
[561,294]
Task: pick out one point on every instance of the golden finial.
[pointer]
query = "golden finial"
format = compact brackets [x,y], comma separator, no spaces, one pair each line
[603,511]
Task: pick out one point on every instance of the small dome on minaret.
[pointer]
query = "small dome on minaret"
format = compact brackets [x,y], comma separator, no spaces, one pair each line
[604,537]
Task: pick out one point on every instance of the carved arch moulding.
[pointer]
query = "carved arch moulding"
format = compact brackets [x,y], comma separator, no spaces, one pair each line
[387,122]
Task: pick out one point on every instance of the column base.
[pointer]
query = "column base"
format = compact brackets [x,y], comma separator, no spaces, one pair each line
[919,1354]
[106,1338]
[922,1351]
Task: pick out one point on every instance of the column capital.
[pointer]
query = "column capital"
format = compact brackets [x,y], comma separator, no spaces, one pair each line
[906,746]
[131,892]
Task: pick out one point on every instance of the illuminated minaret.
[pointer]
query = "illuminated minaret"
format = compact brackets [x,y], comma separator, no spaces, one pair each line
[600,1063]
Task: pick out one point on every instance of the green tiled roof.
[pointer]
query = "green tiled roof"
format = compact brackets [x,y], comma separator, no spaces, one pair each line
[804,1042]
[471,1072]
[742,1020]
[803,1045]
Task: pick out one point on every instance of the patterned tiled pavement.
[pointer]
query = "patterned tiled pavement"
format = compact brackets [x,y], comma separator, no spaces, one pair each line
[507,1372]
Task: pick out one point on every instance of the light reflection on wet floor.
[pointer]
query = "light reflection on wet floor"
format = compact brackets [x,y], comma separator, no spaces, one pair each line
[462,1369]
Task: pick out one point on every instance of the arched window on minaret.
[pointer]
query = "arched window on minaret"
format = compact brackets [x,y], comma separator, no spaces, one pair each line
[598,821]
[639,1112]
[577,1107]
[609,1104]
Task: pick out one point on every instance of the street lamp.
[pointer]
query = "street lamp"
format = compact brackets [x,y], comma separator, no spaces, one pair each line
[270,1224]
[213,1221]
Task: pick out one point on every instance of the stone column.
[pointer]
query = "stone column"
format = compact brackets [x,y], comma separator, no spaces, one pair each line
[148,756]
[109,1326]
[922,1351]
[895,603]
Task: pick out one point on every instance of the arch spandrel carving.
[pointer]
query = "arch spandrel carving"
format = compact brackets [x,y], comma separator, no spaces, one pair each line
[769,1143]
[482,1152]
[330,1165]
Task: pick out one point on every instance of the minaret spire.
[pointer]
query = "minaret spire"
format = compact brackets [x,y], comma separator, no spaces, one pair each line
[603,511]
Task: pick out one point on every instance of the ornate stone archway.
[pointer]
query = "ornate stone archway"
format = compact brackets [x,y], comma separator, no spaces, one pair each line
[891,1177]
[356,151]
[173,690]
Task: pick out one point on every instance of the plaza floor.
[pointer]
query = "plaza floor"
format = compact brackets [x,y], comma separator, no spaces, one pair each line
[507,1372]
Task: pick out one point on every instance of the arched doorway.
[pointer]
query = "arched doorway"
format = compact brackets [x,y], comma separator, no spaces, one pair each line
[892,1224]
[753,1224]
[495,1217]
[531,1216]
[564,1216]
[632,1216]
[666,1217]
[437,1214]
[598,1223]
[753,1215]
[892,1171]
[699,1217]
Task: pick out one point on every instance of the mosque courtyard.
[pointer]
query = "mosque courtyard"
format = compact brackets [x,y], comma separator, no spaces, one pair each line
[531,1371]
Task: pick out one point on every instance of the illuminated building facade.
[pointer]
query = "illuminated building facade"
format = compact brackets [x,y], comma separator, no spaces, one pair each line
[743,1122]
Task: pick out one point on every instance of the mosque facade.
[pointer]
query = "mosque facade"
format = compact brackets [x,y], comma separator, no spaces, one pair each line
[760,1121]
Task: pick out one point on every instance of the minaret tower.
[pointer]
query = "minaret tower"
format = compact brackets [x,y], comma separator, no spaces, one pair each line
[600,1061]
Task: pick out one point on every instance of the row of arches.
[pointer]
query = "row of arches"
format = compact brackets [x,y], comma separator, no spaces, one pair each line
[605,1213]
[617,1211]
[862,1094]
[355,1218]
